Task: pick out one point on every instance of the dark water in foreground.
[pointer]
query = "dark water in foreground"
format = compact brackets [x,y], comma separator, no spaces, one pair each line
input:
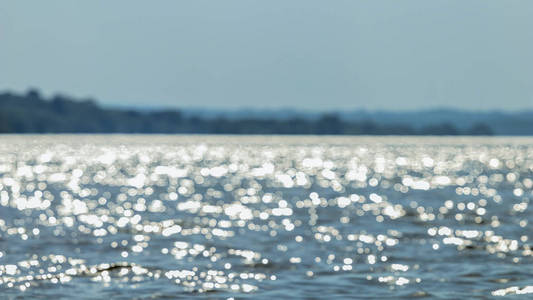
[265,217]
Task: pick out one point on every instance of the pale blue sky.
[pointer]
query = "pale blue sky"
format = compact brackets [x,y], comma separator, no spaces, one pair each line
[306,54]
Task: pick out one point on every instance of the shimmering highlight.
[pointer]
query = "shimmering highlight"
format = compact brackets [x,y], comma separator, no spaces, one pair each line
[167,214]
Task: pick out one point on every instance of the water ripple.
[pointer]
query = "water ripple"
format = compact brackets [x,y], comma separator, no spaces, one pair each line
[144,216]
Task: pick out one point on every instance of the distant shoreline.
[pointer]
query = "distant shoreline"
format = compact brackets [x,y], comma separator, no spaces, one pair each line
[31,113]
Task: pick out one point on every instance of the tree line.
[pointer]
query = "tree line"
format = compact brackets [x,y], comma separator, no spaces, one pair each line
[31,113]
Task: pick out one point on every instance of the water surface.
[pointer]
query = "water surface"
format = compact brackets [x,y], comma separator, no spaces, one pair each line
[214,217]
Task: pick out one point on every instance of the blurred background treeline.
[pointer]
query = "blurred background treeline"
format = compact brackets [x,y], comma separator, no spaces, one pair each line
[31,113]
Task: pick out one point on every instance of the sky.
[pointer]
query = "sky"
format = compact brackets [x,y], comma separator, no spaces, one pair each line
[302,54]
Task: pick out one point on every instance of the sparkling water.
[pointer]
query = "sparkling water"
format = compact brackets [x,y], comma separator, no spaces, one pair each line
[265,217]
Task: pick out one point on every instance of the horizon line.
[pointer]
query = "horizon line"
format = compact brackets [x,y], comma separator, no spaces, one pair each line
[237,109]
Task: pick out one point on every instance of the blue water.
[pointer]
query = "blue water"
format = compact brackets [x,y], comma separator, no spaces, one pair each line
[217,217]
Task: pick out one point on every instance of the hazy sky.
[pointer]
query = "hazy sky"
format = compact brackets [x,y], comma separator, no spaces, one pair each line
[474,54]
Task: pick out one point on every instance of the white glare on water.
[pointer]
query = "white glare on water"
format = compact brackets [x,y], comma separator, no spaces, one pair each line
[249,214]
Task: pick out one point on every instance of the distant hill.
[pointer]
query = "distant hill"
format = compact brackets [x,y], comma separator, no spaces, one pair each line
[31,113]
[502,123]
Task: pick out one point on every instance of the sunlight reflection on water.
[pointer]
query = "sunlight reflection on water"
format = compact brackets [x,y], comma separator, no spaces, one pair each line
[267,216]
